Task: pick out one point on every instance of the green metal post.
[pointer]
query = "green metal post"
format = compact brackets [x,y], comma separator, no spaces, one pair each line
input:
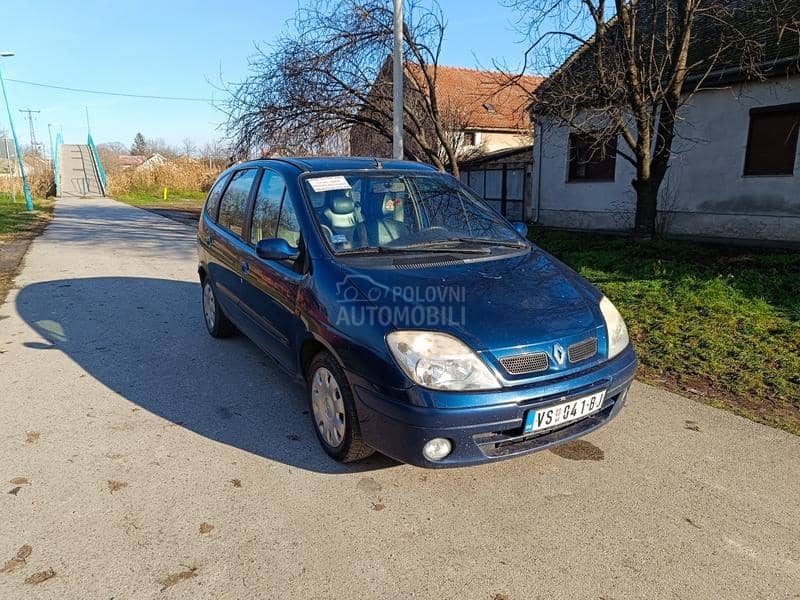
[25,187]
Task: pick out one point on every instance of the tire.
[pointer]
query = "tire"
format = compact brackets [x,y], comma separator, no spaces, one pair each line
[333,412]
[217,324]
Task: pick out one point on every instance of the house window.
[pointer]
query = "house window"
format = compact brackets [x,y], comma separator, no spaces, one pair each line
[469,138]
[476,181]
[590,160]
[494,185]
[772,140]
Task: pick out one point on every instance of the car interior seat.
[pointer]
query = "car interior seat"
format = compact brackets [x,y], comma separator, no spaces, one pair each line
[340,217]
[382,226]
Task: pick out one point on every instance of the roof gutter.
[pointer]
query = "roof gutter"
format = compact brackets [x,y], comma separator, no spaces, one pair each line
[728,74]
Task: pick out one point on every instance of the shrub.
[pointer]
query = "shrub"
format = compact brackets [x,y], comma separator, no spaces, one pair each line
[179,174]
[41,183]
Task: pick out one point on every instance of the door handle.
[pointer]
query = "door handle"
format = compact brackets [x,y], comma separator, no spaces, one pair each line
[245,267]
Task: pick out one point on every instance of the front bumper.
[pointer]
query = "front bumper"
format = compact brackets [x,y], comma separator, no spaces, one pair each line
[399,429]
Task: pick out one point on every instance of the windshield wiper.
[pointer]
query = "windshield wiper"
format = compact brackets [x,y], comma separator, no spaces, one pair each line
[486,241]
[416,248]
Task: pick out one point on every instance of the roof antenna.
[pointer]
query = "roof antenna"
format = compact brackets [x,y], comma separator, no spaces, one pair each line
[378,164]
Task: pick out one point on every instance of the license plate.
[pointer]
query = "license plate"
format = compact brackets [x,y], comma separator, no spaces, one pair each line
[566,412]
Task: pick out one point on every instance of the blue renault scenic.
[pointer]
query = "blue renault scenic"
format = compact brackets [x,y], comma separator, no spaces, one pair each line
[424,325]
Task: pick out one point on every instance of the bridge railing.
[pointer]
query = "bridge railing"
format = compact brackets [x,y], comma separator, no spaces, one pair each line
[100,170]
[56,161]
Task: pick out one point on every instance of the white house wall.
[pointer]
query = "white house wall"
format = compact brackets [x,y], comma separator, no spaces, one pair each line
[705,194]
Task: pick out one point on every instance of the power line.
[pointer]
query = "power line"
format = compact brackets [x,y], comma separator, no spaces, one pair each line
[104,93]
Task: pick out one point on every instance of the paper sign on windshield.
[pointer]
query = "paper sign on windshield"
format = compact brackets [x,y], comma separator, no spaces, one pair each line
[326,184]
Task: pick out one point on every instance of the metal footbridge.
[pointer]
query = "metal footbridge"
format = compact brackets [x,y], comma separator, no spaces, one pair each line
[78,170]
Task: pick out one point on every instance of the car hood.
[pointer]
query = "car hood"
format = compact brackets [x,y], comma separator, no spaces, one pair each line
[491,305]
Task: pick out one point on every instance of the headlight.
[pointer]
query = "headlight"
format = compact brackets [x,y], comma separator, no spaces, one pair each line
[439,361]
[617,331]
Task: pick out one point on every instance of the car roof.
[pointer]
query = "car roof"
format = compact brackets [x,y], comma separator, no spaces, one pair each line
[342,163]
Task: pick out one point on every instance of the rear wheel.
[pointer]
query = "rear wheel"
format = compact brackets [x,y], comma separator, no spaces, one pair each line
[217,323]
[333,411]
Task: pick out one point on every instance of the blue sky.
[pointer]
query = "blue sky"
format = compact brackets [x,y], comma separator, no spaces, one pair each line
[173,48]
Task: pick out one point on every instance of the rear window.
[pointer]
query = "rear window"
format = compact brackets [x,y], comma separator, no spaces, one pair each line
[212,202]
[233,206]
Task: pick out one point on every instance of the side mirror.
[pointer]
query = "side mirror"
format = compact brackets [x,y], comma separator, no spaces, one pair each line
[276,249]
[522,229]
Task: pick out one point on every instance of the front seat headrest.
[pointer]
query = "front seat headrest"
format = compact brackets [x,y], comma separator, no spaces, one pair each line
[341,203]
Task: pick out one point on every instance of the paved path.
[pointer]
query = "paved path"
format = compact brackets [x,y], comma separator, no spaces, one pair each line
[134,429]
[79,175]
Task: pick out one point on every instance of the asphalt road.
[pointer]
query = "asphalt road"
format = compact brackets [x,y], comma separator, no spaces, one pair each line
[162,463]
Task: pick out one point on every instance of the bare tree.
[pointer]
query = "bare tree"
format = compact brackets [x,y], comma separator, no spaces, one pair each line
[109,155]
[159,146]
[624,69]
[188,147]
[319,80]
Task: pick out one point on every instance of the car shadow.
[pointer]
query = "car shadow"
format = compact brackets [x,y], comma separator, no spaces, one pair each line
[145,340]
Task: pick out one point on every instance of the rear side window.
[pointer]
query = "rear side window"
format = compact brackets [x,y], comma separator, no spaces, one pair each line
[233,206]
[212,203]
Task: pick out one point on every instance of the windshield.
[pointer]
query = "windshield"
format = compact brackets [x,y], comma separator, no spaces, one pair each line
[385,211]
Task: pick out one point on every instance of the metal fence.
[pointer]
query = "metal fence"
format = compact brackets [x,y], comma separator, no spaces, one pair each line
[56,161]
[100,170]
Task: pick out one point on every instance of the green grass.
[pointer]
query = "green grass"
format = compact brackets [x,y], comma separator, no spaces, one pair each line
[716,323]
[188,197]
[15,219]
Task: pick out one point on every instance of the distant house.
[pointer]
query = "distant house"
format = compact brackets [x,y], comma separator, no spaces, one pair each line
[130,161]
[480,113]
[140,161]
[736,169]
[154,160]
[9,166]
[7,157]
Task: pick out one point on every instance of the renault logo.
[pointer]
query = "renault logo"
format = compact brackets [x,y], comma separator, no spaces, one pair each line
[558,353]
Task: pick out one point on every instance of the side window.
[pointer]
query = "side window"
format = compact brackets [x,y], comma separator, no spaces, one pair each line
[772,140]
[590,159]
[288,226]
[234,202]
[212,202]
[267,207]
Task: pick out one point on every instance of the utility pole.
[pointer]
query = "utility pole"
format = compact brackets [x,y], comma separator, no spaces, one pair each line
[30,113]
[397,82]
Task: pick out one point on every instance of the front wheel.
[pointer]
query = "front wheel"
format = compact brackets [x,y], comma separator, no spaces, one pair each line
[217,323]
[333,411]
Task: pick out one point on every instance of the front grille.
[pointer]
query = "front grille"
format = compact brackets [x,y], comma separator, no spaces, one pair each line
[582,350]
[514,441]
[523,364]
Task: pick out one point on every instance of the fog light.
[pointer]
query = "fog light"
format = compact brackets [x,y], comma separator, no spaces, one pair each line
[437,449]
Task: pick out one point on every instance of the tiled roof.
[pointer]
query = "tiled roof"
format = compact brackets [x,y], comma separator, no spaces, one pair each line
[480,98]
[131,160]
[762,36]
